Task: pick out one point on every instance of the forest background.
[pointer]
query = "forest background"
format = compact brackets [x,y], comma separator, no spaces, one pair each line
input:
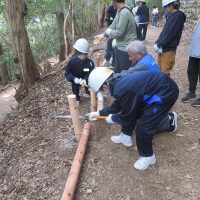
[32,31]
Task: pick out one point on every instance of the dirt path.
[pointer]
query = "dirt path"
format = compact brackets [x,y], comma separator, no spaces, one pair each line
[7,101]
[36,153]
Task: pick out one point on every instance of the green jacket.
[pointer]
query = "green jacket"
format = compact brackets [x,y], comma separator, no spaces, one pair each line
[123,28]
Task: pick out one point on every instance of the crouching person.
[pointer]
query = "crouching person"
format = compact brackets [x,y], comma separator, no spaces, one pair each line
[79,67]
[142,102]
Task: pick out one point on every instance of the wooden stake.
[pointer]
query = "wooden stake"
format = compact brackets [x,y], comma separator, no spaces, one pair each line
[72,179]
[97,61]
[93,99]
[75,115]
[99,101]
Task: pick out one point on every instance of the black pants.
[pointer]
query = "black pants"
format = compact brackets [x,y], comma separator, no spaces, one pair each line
[75,90]
[142,31]
[120,60]
[154,119]
[193,73]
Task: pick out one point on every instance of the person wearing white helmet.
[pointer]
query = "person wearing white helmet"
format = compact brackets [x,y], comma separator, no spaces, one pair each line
[142,102]
[170,36]
[79,67]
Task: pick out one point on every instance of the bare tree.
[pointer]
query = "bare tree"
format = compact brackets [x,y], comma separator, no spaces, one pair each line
[60,22]
[15,12]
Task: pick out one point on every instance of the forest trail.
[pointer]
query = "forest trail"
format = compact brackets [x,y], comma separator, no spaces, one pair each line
[8,102]
[36,153]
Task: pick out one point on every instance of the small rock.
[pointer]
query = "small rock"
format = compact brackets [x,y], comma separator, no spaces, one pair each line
[89,191]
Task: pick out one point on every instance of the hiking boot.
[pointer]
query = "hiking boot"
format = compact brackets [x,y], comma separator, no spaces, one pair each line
[144,162]
[126,140]
[190,96]
[173,121]
[196,103]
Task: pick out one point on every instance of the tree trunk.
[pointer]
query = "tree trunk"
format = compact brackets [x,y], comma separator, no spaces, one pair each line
[15,12]
[101,14]
[60,22]
[3,70]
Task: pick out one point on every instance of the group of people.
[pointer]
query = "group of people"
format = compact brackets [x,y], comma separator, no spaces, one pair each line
[143,90]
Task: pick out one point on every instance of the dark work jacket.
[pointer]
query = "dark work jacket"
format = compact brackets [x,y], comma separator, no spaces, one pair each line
[77,68]
[110,12]
[143,13]
[171,34]
[135,92]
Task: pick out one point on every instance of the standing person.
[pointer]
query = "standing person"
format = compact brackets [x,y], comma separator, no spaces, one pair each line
[143,13]
[154,16]
[79,67]
[170,36]
[142,102]
[110,16]
[134,11]
[193,66]
[123,29]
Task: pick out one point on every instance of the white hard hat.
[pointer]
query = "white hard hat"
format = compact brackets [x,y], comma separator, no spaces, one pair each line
[166,2]
[98,76]
[81,45]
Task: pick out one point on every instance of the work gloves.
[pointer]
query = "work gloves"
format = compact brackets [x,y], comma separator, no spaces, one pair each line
[109,119]
[80,81]
[108,31]
[101,36]
[157,49]
[92,115]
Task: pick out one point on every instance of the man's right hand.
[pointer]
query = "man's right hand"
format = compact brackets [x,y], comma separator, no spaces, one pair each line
[101,36]
[78,81]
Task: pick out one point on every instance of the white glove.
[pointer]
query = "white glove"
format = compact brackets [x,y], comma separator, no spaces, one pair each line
[78,81]
[109,119]
[108,31]
[92,115]
[160,51]
[101,36]
[111,19]
[155,48]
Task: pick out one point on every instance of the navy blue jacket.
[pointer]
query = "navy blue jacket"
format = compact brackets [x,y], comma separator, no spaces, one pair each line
[77,68]
[110,12]
[171,34]
[135,92]
[143,13]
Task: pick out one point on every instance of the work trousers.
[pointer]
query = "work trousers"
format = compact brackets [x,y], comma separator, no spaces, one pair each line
[150,123]
[142,31]
[193,73]
[76,89]
[120,60]
[109,49]
[166,61]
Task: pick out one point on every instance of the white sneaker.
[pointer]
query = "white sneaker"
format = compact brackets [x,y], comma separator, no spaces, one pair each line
[123,139]
[143,162]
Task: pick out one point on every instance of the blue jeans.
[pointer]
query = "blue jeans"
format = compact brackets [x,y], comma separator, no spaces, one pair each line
[154,20]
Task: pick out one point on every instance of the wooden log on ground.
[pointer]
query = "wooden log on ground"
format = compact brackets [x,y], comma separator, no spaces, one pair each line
[72,179]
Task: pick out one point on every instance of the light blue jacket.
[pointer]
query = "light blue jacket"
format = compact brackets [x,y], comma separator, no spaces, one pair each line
[194,50]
